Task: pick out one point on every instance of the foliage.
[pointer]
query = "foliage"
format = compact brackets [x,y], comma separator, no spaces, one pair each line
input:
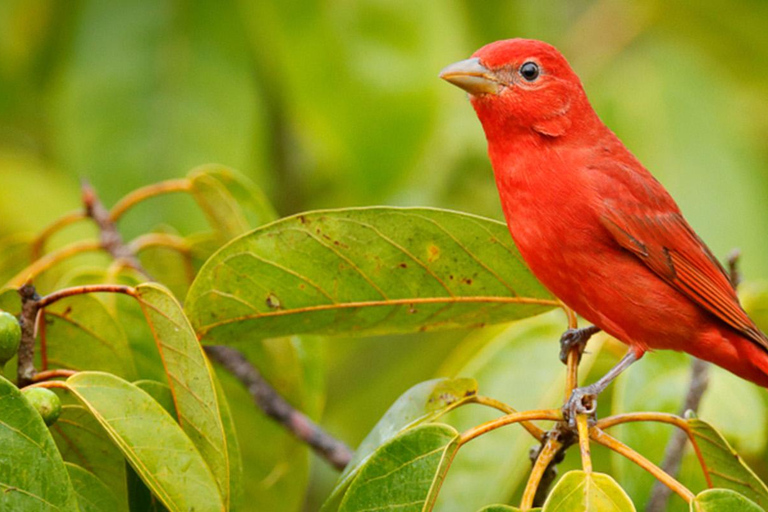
[329,105]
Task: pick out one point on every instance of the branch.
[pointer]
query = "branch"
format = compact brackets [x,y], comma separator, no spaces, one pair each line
[111,240]
[30,306]
[266,397]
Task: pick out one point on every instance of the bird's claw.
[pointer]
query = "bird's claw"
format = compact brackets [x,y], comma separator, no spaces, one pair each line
[582,401]
[574,338]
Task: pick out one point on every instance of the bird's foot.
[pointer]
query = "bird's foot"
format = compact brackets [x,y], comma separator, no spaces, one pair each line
[575,338]
[582,401]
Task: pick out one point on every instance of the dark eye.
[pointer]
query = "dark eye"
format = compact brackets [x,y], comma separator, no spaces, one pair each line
[530,71]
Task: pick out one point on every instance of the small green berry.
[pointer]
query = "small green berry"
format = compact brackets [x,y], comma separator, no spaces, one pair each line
[45,401]
[10,335]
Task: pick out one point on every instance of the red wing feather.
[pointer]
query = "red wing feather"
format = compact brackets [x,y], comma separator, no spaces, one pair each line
[669,246]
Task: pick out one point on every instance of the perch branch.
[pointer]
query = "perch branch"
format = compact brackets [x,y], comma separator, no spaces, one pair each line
[334,451]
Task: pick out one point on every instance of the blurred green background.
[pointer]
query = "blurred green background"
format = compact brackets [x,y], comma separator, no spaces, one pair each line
[337,103]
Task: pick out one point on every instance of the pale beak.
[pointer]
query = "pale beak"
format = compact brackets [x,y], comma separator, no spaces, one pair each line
[471,76]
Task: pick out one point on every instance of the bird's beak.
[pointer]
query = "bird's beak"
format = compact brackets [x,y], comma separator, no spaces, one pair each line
[471,76]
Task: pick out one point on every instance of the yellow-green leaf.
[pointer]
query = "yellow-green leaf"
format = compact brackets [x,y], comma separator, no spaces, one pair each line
[190,378]
[578,491]
[32,473]
[161,453]
[723,500]
[364,271]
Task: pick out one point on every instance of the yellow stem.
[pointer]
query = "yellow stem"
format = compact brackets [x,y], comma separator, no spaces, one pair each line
[532,429]
[49,260]
[38,244]
[586,459]
[547,453]
[614,444]
[141,194]
[548,414]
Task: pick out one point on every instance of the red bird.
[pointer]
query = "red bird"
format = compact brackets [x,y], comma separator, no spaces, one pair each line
[594,225]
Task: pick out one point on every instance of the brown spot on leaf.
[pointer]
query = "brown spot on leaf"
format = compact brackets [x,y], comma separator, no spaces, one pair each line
[433,253]
[467,281]
[403,265]
[272,301]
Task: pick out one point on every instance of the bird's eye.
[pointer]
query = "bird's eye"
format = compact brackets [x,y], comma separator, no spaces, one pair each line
[529,71]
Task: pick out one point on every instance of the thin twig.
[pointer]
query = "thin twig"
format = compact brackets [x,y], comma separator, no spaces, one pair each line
[111,240]
[275,406]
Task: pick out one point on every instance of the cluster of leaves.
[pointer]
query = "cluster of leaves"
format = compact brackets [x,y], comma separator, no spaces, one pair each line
[138,387]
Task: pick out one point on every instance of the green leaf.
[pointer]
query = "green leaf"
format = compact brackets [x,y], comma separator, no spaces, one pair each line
[725,467]
[32,473]
[83,442]
[190,378]
[405,473]
[157,448]
[251,199]
[81,334]
[93,495]
[161,393]
[232,203]
[364,271]
[221,209]
[578,491]
[422,403]
[723,500]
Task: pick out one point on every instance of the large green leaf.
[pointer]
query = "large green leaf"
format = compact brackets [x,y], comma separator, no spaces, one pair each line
[93,495]
[404,474]
[364,271]
[154,444]
[423,402]
[83,442]
[578,491]
[723,500]
[32,473]
[190,378]
[82,334]
[724,466]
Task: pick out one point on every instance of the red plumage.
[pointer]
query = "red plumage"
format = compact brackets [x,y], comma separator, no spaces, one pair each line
[592,223]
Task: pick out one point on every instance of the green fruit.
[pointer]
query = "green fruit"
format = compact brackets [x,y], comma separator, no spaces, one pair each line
[10,335]
[45,402]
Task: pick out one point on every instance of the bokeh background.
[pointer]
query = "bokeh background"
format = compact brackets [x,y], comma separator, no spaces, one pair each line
[337,103]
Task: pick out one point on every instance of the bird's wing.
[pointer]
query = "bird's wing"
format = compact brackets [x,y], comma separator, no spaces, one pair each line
[668,245]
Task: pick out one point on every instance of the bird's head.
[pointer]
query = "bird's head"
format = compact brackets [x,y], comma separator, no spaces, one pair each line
[520,84]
